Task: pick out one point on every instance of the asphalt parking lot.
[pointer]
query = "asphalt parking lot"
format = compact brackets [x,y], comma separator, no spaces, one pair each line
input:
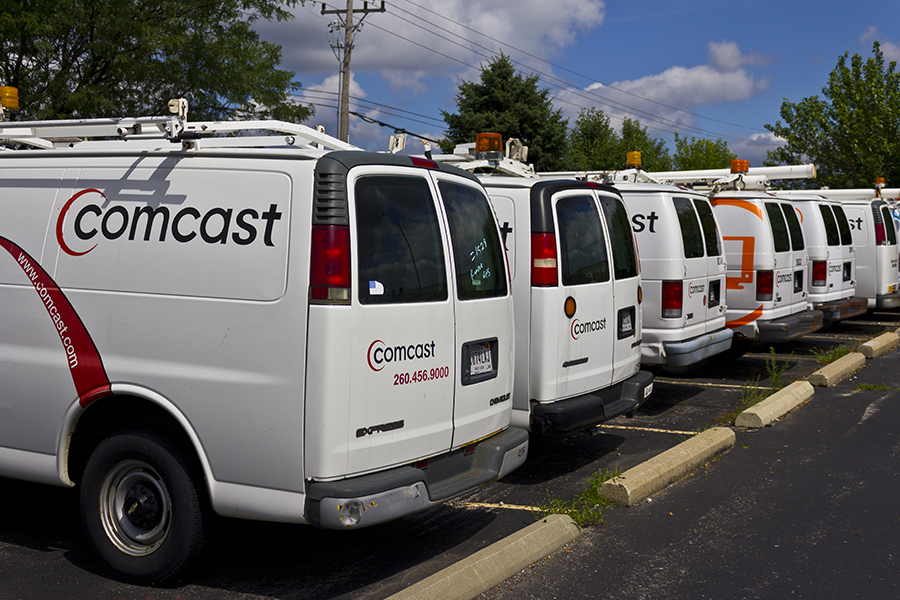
[44,555]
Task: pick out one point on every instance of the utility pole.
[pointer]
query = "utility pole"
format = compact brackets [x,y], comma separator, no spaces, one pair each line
[349,29]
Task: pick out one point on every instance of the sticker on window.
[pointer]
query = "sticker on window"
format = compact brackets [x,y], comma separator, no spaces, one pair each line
[376,288]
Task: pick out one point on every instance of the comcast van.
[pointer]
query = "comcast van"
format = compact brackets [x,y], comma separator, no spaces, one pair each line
[256,326]
[832,257]
[576,289]
[767,267]
[682,272]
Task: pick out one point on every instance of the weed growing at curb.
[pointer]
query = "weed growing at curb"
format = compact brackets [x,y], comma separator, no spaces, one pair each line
[829,356]
[775,370]
[587,508]
[872,387]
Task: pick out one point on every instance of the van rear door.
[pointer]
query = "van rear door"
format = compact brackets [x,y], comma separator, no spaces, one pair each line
[626,287]
[783,272]
[483,308]
[798,286]
[570,354]
[715,266]
[401,324]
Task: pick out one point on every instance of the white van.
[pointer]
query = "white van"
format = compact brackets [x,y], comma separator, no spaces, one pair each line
[875,242]
[682,272]
[877,252]
[832,257]
[767,267]
[252,325]
[576,290]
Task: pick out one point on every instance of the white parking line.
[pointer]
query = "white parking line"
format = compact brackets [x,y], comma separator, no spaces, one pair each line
[501,505]
[608,426]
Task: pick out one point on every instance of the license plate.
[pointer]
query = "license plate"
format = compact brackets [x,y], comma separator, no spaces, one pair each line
[480,360]
[647,391]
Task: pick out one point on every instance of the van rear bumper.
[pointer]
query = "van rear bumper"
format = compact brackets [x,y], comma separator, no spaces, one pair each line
[839,310]
[379,497]
[692,351]
[887,300]
[791,326]
[587,410]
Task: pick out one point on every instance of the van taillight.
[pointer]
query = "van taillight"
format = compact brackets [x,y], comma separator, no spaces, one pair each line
[764,285]
[543,259]
[671,299]
[819,272]
[329,273]
[880,237]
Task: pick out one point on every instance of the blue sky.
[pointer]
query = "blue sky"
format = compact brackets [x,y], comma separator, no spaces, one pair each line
[707,69]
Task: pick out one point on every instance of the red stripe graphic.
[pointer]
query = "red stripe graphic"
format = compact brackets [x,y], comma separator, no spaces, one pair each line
[84,361]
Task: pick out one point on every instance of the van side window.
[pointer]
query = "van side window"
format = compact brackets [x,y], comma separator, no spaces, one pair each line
[477,251]
[400,254]
[619,227]
[779,228]
[710,231]
[793,226]
[581,240]
[691,237]
[831,230]
[889,226]
[843,226]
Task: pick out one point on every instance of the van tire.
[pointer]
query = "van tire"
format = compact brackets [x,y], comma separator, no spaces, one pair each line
[163,533]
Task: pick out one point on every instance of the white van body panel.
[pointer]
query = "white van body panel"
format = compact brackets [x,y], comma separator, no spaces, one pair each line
[700,330]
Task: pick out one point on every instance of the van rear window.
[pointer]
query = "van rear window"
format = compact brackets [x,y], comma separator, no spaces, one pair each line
[691,237]
[831,228]
[710,230]
[617,222]
[793,226]
[581,240]
[889,226]
[779,228]
[400,253]
[843,226]
[477,251]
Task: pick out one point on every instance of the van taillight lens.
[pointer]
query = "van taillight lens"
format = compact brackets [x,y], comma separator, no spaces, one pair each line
[671,299]
[819,272]
[880,236]
[764,285]
[329,273]
[543,259]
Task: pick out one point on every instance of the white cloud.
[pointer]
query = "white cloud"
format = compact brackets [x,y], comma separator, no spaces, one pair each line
[411,41]
[727,57]
[891,51]
[754,148]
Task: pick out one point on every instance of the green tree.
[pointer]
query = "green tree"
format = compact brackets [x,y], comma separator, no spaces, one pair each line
[853,134]
[593,145]
[510,104]
[654,153]
[93,58]
[693,154]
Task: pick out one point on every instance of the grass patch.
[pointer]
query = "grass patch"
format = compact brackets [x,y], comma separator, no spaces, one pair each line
[873,388]
[752,394]
[587,508]
[829,356]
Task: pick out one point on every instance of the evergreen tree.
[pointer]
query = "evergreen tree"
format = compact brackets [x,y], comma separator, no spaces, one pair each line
[508,103]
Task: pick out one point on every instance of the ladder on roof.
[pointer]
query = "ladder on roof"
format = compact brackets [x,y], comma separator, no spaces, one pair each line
[175,128]
[757,178]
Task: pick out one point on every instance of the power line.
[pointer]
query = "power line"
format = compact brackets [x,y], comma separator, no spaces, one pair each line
[557,66]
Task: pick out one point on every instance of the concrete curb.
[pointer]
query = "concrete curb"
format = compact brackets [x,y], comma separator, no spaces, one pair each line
[780,403]
[488,567]
[880,345]
[649,477]
[838,370]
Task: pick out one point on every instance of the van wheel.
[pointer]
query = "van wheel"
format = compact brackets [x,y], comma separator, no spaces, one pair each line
[140,509]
